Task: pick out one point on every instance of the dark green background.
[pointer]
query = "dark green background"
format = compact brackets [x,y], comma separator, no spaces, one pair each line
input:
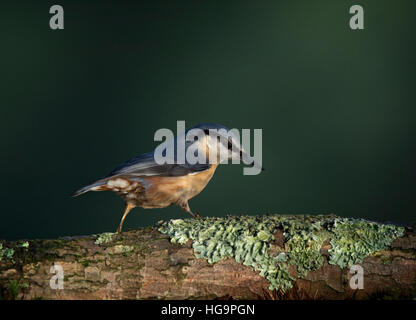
[337,107]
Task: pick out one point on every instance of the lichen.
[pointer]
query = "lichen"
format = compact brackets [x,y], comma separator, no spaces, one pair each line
[104,238]
[23,244]
[305,251]
[6,253]
[120,249]
[355,239]
[248,239]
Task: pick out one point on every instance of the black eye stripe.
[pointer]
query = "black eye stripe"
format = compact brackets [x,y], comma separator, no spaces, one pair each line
[230,141]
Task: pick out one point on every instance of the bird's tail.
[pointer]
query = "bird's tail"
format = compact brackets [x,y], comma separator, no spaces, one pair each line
[96,186]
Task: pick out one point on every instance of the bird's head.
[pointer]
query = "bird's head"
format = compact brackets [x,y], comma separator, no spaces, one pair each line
[221,144]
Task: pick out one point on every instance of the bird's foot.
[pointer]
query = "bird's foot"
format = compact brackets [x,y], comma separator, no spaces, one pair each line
[196,215]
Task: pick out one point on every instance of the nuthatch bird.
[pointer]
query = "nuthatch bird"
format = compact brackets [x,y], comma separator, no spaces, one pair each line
[142,182]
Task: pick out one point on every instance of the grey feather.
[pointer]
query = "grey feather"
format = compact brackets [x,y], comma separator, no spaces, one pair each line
[145,165]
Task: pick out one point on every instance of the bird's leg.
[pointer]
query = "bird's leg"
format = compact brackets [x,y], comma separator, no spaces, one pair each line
[129,206]
[185,207]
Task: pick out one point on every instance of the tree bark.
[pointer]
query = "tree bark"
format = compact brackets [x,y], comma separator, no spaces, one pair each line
[144,264]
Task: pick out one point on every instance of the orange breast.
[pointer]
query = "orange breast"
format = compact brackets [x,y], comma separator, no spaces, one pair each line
[165,191]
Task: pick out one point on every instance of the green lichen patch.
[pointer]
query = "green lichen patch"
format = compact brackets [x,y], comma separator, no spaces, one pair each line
[305,251]
[120,249]
[104,238]
[6,253]
[354,239]
[248,239]
[23,244]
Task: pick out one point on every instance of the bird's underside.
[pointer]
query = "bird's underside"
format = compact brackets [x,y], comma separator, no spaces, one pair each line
[154,191]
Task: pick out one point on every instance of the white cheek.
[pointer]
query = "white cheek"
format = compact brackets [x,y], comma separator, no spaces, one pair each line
[236,156]
[224,152]
[210,142]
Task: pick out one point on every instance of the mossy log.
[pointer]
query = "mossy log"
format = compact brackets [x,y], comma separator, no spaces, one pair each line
[146,264]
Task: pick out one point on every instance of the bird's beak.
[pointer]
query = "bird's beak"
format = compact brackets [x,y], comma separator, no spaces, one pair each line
[246,159]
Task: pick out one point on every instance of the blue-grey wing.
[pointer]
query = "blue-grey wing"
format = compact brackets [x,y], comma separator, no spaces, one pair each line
[145,165]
